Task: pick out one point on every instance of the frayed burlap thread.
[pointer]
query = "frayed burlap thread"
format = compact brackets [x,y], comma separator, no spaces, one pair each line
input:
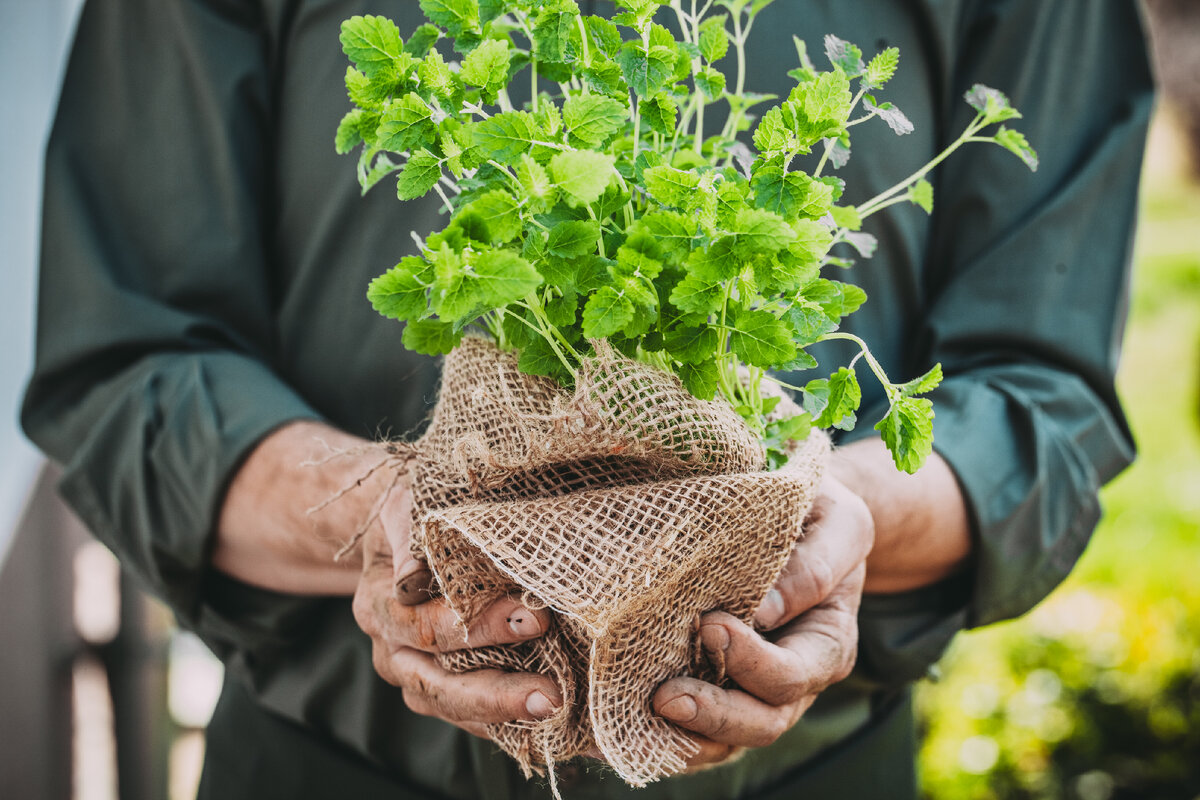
[626,506]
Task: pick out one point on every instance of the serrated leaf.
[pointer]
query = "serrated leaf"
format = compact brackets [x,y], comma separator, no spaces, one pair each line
[772,134]
[436,76]
[716,263]
[400,293]
[1015,142]
[634,263]
[363,92]
[882,68]
[907,430]
[591,119]
[605,77]
[812,241]
[711,82]
[896,119]
[487,66]
[421,40]
[846,217]
[660,113]
[760,232]
[921,194]
[572,239]
[349,134]
[582,175]
[422,171]
[844,397]
[505,137]
[430,337]
[603,35]
[691,345]
[553,29]
[714,39]
[926,383]
[645,71]
[760,340]
[674,233]
[606,313]
[844,55]
[808,322]
[499,212]
[456,16]
[535,183]
[372,43]
[405,124]
[991,103]
[701,379]
[503,277]
[670,186]
[537,357]
[562,310]
[697,295]
[780,193]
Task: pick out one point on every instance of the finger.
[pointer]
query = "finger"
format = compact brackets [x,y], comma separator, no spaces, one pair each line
[481,696]
[709,754]
[812,652]
[728,717]
[416,586]
[839,534]
[434,627]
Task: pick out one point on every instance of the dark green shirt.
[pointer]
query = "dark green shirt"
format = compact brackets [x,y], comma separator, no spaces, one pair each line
[205,255]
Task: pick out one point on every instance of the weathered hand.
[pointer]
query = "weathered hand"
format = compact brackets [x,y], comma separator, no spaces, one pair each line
[405,639]
[811,619]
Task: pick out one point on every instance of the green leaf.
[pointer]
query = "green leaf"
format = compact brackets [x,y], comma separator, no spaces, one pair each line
[845,395]
[845,56]
[772,134]
[778,192]
[582,175]
[714,39]
[827,104]
[846,217]
[606,313]
[715,263]
[603,35]
[882,68]
[572,239]
[697,295]
[660,113]
[760,340]
[487,66]
[926,383]
[373,167]
[591,119]
[921,193]
[808,322]
[364,92]
[691,345]
[349,134]
[907,430]
[499,211]
[553,29]
[812,242]
[430,337]
[896,119]
[1015,142]
[436,76]
[670,186]
[505,137]
[372,43]
[405,124]
[991,103]
[537,357]
[535,183]
[419,175]
[401,293]
[562,310]
[674,233]
[711,82]
[645,72]
[421,40]
[503,277]
[605,77]
[760,232]
[634,263]
[701,379]
[456,16]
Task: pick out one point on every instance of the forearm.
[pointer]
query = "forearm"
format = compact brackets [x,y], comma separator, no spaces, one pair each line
[922,533]
[273,530]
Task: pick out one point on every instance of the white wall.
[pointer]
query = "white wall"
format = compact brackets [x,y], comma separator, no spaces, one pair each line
[34,35]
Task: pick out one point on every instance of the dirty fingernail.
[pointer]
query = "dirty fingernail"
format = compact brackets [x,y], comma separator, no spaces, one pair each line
[771,610]
[715,638]
[681,709]
[539,705]
[523,623]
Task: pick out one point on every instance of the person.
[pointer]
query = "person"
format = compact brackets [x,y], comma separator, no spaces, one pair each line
[204,345]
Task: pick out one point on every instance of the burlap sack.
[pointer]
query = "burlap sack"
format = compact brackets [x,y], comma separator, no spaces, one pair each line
[628,507]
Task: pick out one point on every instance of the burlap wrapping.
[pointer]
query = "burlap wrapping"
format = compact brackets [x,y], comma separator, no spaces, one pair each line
[629,508]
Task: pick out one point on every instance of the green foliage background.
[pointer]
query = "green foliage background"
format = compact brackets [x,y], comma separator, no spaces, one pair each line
[1096,694]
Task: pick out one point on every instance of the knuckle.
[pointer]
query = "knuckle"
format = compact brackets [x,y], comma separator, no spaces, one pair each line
[426,631]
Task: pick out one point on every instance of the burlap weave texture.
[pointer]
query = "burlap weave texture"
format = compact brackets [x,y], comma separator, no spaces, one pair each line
[629,508]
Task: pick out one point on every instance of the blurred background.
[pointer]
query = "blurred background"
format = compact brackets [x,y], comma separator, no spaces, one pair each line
[1095,695]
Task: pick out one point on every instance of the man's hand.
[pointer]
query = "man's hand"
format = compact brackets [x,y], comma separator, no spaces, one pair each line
[811,617]
[406,638]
